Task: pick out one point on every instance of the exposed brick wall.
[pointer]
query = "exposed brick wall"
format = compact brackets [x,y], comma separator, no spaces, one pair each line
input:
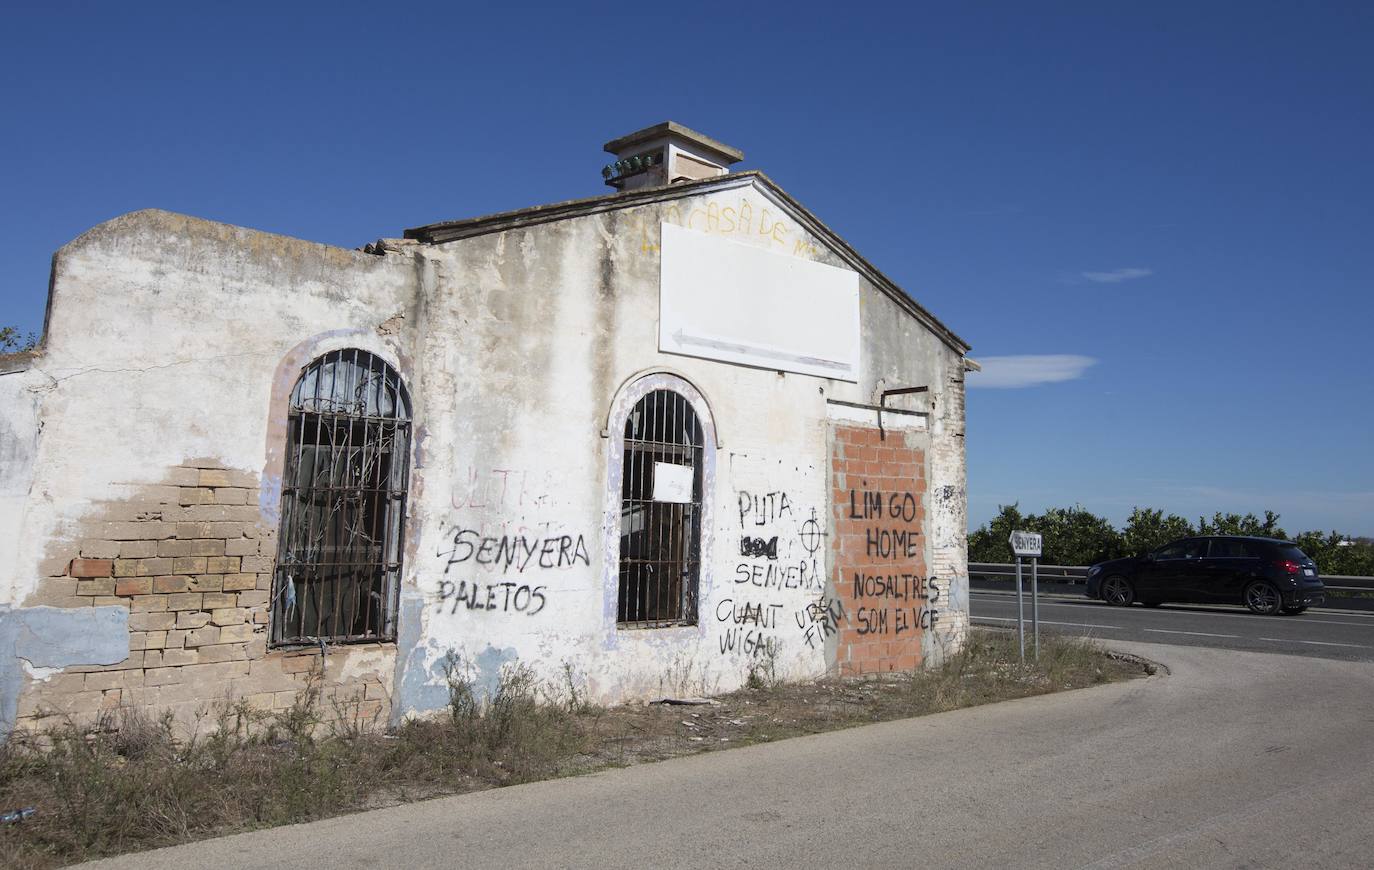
[878,541]
[192,561]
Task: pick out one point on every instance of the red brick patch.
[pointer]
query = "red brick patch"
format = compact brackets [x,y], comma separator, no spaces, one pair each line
[878,517]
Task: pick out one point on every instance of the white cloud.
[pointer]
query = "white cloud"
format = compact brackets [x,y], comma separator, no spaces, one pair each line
[1014,372]
[1116,276]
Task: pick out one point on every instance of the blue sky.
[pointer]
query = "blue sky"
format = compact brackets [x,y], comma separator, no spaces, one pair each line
[1161,215]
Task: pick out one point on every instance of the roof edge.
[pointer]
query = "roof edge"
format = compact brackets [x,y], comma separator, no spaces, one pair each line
[450,231]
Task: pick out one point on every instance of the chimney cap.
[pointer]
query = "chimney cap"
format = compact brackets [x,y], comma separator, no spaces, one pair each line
[725,153]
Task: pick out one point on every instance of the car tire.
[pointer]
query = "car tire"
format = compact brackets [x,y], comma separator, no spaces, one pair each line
[1263,598]
[1118,591]
[1294,611]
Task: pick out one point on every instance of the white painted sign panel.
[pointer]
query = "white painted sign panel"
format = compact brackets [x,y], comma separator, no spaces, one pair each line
[728,301]
[673,483]
[1025,543]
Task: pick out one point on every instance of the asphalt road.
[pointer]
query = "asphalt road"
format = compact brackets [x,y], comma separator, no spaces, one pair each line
[1339,634]
[1233,759]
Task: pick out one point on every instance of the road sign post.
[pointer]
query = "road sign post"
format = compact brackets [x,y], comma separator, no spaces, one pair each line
[1020,612]
[1027,544]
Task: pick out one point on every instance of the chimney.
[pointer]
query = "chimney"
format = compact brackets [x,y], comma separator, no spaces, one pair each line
[663,154]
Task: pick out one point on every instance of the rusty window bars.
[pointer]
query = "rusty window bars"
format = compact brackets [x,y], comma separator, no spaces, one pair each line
[344,483]
[660,519]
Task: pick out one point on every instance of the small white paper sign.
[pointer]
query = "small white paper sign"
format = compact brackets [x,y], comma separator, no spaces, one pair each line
[673,483]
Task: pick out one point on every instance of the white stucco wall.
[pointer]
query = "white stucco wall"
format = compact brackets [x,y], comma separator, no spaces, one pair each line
[172,338]
[554,320]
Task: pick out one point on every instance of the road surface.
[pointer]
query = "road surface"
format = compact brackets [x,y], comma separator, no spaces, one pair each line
[1343,634]
[1234,759]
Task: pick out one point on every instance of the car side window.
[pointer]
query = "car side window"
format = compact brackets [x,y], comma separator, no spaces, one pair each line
[1223,549]
[1182,550]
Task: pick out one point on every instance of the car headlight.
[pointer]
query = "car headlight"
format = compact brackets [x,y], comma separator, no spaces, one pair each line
[1094,570]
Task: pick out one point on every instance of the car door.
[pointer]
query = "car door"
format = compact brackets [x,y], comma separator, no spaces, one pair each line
[1174,572]
[1226,565]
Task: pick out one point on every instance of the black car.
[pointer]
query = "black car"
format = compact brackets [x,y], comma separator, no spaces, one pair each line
[1267,575]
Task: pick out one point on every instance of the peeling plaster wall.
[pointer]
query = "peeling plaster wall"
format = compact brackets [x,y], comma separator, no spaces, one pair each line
[556,320]
[164,342]
[167,337]
[172,339]
[35,641]
[19,403]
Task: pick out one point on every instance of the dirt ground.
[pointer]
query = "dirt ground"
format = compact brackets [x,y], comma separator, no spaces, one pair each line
[635,733]
[135,785]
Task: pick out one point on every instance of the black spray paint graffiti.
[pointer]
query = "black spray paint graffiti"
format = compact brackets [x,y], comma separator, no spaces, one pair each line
[753,627]
[504,554]
[810,535]
[820,619]
[505,597]
[891,603]
[886,543]
[803,575]
[516,553]
[771,561]
[748,613]
[766,547]
[900,505]
[882,590]
[782,568]
[760,509]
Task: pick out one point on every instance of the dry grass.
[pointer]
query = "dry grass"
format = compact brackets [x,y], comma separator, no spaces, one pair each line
[130,784]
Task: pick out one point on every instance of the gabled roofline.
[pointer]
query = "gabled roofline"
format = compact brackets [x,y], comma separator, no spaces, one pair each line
[450,231]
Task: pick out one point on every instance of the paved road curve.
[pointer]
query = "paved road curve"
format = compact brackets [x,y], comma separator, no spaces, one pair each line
[1235,759]
[1342,634]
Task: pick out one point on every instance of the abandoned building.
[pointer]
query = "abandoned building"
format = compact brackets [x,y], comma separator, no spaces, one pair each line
[643,441]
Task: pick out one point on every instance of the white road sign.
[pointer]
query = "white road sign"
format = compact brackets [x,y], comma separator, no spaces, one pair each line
[1025,543]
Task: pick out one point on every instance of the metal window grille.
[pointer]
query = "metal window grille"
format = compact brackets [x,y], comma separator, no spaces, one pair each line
[660,540]
[343,503]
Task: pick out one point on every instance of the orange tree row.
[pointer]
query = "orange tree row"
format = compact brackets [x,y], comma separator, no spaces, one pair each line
[1074,536]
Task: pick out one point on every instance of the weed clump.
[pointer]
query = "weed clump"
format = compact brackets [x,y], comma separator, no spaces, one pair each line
[130,782]
[762,670]
[988,668]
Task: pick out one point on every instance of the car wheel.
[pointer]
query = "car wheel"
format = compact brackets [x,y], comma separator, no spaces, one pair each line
[1263,598]
[1294,611]
[1117,591]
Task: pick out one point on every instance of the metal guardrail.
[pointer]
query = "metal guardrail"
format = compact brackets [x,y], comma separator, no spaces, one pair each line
[1339,583]
[1054,573]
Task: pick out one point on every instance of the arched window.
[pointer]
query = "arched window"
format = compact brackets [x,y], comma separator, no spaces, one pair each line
[660,510]
[343,502]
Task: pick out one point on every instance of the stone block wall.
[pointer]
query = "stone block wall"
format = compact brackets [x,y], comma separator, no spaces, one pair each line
[192,561]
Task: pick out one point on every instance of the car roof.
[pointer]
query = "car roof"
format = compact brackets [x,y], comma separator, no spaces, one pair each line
[1247,538]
